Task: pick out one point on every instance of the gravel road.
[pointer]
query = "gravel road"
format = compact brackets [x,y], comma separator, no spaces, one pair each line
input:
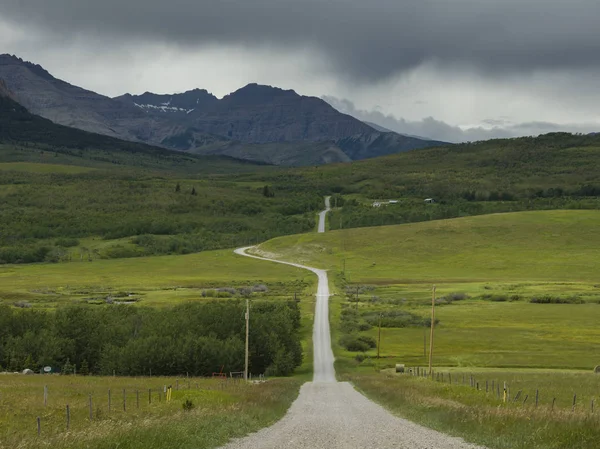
[330,414]
[323,214]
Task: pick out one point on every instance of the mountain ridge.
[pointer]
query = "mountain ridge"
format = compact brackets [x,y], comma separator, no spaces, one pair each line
[197,121]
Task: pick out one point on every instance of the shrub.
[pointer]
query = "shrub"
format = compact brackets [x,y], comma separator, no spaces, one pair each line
[549,299]
[352,343]
[357,343]
[364,326]
[67,242]
[395,318]
[495,298]
[368,340]
[232,291]
[245,291]
[261,288]
[187,405]
[120,252]
[451,297]
[22,304]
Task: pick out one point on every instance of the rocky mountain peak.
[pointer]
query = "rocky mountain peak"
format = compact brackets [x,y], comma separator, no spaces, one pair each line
[37,69]
[258,93]
[187,102]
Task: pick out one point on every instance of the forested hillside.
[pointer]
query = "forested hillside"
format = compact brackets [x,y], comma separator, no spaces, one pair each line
[552,171]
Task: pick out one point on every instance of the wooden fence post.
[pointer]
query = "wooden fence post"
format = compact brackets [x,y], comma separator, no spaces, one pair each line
[553,401]
[149,396]
[124,400]
[39,426]
[137,398]
[91,414]
[45,395]
[574,402]
[109,400]
[537,397]
[68,418]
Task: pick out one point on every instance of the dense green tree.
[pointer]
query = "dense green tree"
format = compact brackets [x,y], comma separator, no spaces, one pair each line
[197,339]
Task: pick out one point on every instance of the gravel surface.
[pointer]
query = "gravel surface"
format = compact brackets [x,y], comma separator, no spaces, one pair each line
[322,215]
[334,415]
[330,414]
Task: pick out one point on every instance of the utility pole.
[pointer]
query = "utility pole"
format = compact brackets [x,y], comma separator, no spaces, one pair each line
[247,337]
[432,326]
[379,337]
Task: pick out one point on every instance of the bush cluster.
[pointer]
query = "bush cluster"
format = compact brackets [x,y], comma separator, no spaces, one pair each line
[549,299]
[357,343]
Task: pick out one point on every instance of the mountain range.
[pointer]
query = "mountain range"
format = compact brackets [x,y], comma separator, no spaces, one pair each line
[256,122]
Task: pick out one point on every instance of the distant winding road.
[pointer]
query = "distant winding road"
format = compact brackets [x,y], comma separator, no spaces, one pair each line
[333,415]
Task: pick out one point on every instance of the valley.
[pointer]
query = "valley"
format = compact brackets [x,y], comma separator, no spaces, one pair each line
[117,256]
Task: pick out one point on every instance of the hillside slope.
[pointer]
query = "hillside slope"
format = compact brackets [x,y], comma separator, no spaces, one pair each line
[549,165]
[541,245]
[19,127]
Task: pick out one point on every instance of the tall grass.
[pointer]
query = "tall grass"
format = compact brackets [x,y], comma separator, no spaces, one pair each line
[479,418]
[221,410]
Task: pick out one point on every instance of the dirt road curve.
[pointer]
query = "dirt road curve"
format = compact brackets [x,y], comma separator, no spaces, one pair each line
[323,214]
[332,415]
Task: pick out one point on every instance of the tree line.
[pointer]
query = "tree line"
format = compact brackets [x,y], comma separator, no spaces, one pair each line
[194,338]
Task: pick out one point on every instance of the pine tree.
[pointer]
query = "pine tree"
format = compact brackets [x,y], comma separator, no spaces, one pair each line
[84,369]
[267,192]
[29,363]
[68,368]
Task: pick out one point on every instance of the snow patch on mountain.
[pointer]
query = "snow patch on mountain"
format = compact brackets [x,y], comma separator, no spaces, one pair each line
[164,107]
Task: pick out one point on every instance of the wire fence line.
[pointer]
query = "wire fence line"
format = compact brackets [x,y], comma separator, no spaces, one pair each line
[500,391]
[55,409]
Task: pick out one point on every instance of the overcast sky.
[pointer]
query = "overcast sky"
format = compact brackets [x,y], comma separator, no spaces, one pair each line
[452,70]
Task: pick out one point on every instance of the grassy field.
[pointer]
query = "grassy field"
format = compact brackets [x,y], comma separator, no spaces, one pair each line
[222,410]
[496,265]
[483,418]
[541,245]
[32,167]
[154,281]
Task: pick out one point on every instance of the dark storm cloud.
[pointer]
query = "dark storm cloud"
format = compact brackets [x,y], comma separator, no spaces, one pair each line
[364,40]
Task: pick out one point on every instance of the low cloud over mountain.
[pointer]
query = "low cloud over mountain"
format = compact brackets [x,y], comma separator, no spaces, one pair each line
[435,129]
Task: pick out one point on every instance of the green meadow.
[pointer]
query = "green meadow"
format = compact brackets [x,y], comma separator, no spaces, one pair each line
[219,410]
[151,281]
[501,268]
